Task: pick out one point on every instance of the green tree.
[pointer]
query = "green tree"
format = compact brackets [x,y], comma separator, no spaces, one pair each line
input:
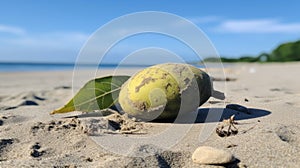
[286,52]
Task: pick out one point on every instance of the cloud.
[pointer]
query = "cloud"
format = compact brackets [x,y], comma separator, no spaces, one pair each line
[11,30]
[42,47]
[258,26]
[50,39]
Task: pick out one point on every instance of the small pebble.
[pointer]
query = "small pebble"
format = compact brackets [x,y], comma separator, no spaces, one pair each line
[209,155]
[89,159]
[36,146]
[36,153]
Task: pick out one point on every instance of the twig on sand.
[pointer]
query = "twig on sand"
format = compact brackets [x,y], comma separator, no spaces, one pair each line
[245,131]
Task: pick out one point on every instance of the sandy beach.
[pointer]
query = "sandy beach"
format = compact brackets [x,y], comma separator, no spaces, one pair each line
[268,134]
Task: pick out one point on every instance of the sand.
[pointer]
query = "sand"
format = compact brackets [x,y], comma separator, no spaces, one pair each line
[268,136]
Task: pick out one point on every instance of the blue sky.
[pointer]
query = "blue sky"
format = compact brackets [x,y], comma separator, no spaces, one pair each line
[55,31]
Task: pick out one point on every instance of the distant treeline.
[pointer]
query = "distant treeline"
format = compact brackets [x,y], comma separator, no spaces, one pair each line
[283,53]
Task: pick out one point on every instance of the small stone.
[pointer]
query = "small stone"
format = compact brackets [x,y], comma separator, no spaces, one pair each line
[89,159]
[209,155]
[36,146]
[35,153]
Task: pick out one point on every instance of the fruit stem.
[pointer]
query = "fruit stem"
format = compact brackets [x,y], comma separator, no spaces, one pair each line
[218,95]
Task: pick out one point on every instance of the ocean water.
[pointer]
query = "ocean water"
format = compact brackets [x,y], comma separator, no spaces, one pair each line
[16,67]
[20,67]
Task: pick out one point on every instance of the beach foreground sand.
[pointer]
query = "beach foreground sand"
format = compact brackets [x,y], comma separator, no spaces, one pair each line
[268,135]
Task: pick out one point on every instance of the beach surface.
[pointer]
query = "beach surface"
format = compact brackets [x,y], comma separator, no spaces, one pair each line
[268,132]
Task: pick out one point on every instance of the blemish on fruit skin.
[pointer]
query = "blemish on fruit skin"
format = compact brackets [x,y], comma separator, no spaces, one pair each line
[140,105]
[168,85]
[186,80]
[164,76]
[179,70]
[144,82]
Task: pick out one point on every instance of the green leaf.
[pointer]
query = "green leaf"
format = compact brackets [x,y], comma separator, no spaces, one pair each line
[97,94]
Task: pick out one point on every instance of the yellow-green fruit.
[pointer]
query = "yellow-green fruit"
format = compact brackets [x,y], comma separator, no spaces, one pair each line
[162,91]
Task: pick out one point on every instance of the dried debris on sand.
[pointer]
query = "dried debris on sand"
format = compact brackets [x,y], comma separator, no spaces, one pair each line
[230,125]
[112,124]
[94,126]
